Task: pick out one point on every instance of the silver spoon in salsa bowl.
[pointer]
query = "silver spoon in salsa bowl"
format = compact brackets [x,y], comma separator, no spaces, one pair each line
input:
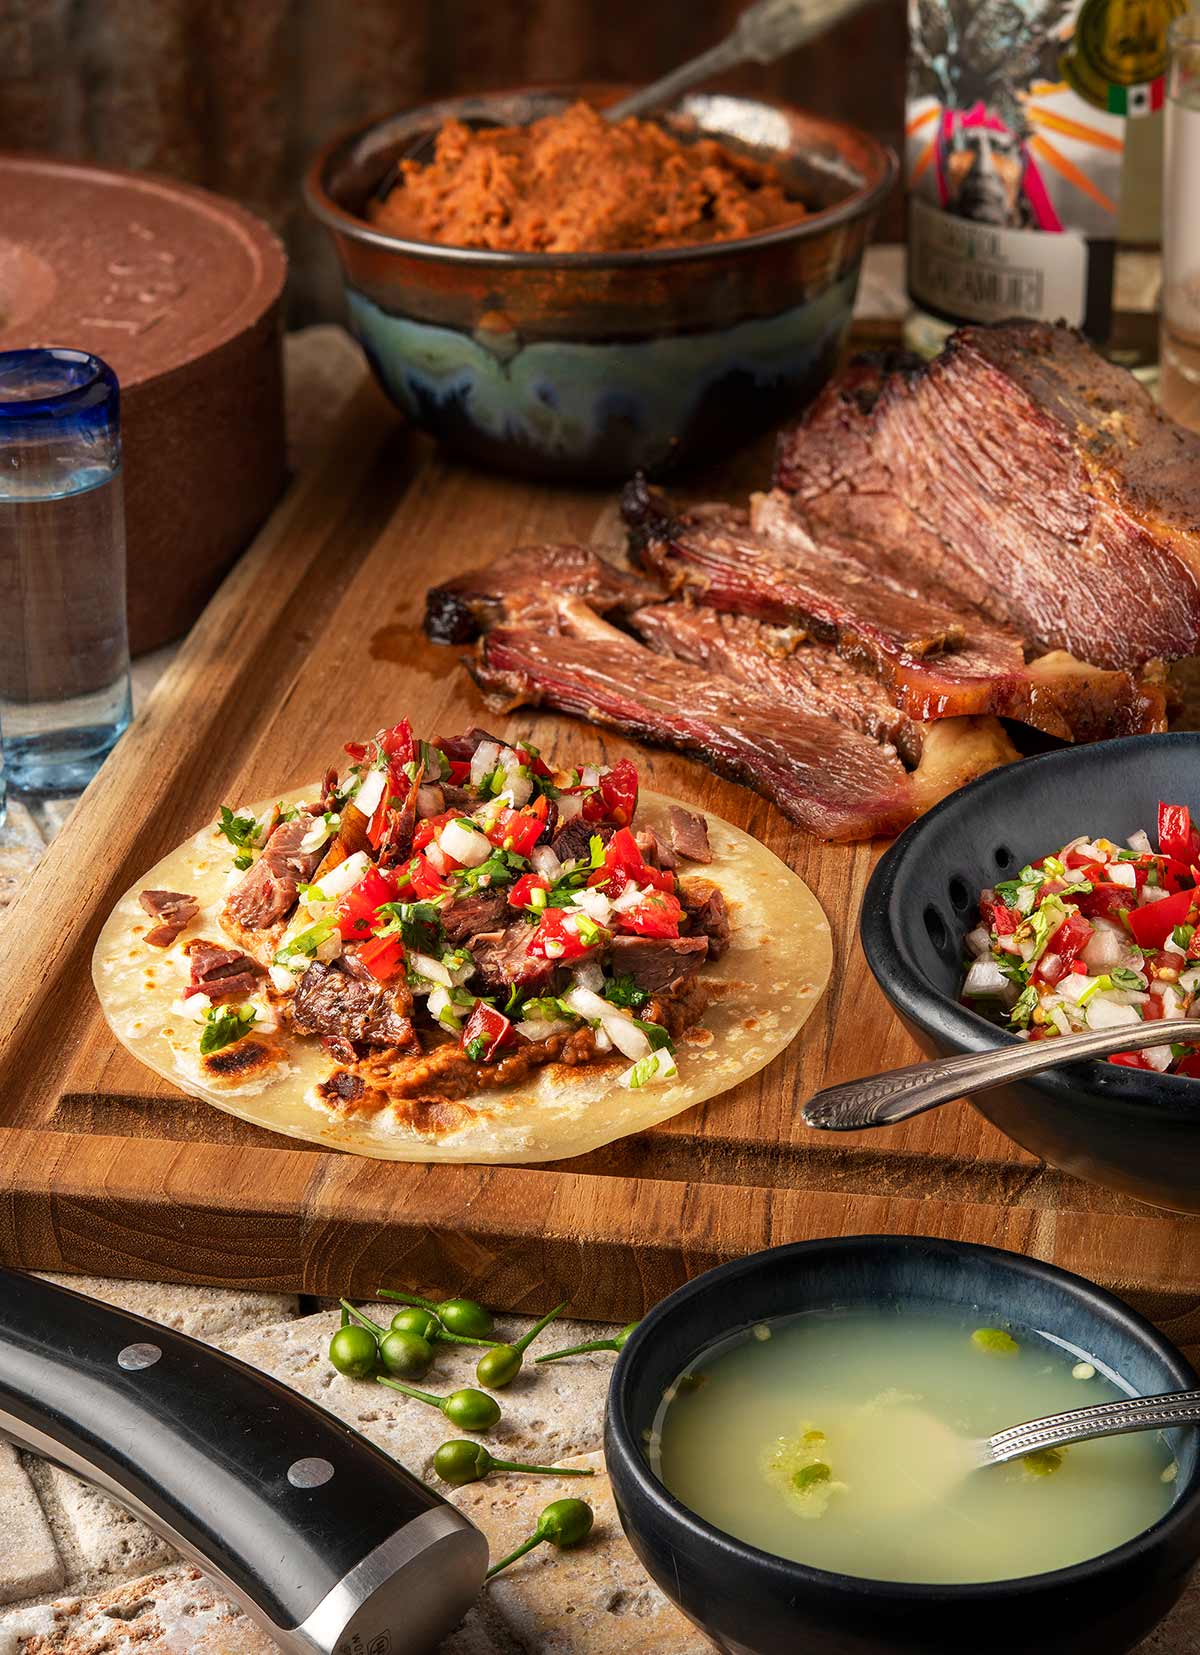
[882,1100]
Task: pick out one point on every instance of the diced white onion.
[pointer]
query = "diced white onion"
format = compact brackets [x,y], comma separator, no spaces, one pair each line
[1121,873]
[193,1006]
[1140,842]
[518,786]
[440,1003]
[329,950]
[466,845]
[618,1025]
[1172,947]
[282,978]
[570,805]
[543,1028]
[344,877]
[1189,980]
[979,943]
[554,948]
[483,761]
[631,897]
[436,857]
[594,904]
[1104,1013]
[426,966]
[603,1043]
[1153,893]
[544,861]
[317,835]
[1073,987]
[1060,1020]
[1158,1057]
[372,790]
[588,974]
[1128,996]
[985,977]
[590,775]
[1102,951]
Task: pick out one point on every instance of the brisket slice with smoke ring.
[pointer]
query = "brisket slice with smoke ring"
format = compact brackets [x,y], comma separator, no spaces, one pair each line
[1030,475]
[831,780]
[933,661]
[523,588]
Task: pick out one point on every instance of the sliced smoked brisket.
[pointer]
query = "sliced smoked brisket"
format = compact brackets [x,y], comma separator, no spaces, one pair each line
[1025,472]
[266,894]
[524,586]
[171,911]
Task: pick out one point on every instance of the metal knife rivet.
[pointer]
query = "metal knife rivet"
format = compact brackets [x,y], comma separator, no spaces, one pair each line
[138,1356]
[309,1473]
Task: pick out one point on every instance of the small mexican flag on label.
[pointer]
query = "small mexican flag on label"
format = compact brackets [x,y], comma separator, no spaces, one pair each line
[1136,100]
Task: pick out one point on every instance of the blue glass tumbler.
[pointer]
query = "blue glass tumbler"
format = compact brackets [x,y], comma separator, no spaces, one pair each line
[64,649]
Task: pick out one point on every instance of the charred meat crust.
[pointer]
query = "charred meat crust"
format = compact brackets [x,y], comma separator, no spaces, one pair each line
[344,1002]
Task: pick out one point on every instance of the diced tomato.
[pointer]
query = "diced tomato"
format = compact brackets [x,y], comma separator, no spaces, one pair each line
[1152,1010]
[625,865]
[460,769]
[1153,924]
[1001,919]
[615,798]
[1129,1060]
[520,830]
[1071,938]
[492,1027]
[1189,1065]
[355,913]
[1076,859]
[521,895]
[1193,952]
[658,916]
[429,827]
[418,878]
[1050,969]
[398,744]
[1176,834]
[554,939]
[1105,901]
[383,957]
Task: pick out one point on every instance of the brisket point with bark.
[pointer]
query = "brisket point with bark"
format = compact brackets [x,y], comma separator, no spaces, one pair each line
[658,963]
[221,973]
[344,1001]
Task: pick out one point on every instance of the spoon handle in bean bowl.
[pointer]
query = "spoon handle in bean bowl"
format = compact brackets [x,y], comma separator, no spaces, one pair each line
[882,1100]
[1103,1419]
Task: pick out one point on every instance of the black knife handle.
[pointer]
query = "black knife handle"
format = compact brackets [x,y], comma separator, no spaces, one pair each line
[330,1544]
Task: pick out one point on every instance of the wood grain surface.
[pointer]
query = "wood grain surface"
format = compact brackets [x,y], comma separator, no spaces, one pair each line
[315,637]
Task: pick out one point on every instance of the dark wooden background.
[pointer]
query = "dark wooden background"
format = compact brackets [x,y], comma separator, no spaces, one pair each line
[236,94]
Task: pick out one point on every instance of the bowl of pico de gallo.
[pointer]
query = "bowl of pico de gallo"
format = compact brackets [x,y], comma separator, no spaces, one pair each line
[1051,897]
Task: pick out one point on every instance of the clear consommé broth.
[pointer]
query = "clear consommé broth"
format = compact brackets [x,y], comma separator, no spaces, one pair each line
[837,1440]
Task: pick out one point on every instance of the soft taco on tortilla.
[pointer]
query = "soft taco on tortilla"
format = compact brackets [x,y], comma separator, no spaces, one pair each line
[452,951]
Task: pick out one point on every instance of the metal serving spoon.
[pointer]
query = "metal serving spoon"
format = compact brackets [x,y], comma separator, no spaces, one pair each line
[882,1100]
[762,33]
[1103,1419]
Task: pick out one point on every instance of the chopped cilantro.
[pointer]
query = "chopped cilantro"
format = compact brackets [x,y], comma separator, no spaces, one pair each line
[655,1034]
[243,860]
[1123,977]
[1182,935]
[477,1047]
[1025,1007]
[241,831]
[588,931]
[306,943]
[499,869]
[223,1025]
[1009,890]
[515,1001]
[623,991]
[416,924]
[547,1008]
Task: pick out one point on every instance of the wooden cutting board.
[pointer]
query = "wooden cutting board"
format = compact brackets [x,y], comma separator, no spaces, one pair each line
[315,638]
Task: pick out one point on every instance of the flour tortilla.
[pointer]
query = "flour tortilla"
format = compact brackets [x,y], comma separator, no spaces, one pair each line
[765,986]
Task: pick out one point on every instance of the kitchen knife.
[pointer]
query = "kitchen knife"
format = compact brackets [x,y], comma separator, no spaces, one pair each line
[332,1547]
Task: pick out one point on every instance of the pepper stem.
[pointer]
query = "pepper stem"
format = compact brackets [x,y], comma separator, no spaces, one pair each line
[578,1350]
[349,1310]
[523,1344]
[534,1540]
[409,1390]
[461,1339]
[542,1470]
[405,1298]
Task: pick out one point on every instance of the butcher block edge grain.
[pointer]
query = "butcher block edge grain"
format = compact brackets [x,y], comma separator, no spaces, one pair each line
[314,638]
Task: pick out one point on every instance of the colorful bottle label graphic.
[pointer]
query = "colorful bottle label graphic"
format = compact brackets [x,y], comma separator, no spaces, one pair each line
[1014,142]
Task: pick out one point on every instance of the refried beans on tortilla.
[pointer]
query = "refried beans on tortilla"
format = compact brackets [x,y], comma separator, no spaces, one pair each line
[573,183]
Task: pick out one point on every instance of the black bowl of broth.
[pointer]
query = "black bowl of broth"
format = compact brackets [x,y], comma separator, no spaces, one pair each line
[785,1440]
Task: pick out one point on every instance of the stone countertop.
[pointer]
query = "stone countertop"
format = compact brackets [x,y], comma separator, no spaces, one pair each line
[80,1577]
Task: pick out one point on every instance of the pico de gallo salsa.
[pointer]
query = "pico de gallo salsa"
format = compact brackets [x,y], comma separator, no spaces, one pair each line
[463,892]
[1094,936]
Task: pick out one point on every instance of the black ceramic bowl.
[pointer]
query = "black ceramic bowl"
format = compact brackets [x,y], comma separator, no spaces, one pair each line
[753,1603]
[589,366]
[1132,1130]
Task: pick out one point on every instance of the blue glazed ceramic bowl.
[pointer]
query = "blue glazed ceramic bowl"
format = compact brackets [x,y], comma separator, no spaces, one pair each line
[752,1603]
[587,366]
[1132,1130]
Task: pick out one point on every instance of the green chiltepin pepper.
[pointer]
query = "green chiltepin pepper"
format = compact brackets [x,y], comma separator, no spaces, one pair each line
[463,1462]
[354,1351]
[425,1323]
[462,1316]
[501,1365]
[617,1342]
[401,1353]
[469,1410]
[564,1523]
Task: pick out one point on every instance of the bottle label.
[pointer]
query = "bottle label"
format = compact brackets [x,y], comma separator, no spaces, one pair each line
[1014,142]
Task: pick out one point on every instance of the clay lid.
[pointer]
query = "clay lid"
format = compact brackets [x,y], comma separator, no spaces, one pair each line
[149,274]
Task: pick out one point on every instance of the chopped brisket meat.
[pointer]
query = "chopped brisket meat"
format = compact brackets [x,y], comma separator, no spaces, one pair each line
[784,660]
[342,1000]
[172,912]
[1036,474]
[833,781]
[523,588]
[707,916]
[221,973]
[502,958]
[688,834]
[266,894]
[342,1086]
[654,852]
[657,963]
[476,911]
[573,841]
[934,661]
